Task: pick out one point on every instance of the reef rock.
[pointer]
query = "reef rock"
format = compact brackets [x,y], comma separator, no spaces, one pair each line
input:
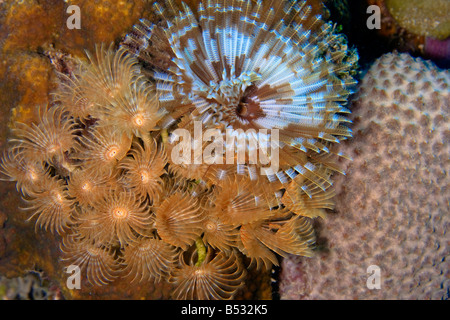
[428,18]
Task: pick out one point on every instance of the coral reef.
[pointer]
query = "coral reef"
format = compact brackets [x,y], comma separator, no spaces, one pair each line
[189,223]
[96,166]
[392,208]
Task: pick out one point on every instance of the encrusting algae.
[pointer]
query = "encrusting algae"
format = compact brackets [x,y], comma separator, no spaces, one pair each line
[98,168]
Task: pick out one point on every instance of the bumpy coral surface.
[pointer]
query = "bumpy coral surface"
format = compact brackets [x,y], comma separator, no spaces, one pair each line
[392,208]
[97,167]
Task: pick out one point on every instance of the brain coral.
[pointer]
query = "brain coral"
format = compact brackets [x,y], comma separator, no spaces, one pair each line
[393,209]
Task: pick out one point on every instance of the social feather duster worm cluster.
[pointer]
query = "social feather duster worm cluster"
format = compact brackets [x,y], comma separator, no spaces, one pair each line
[97,168]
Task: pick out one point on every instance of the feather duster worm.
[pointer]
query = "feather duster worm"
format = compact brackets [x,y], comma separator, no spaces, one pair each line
[217,277]
[311,204]
[143,169]
[149,259]
[109,74]
[236,204]
[189,171]
[194,168]
[88,186]
[178,219]
[103,149]
[120,216]
[51,204]
[218,234]
[27,174]
[72,93]
[96,261]
[48,140]
[135,111]
[87,227]
[281,235]
[255,66]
